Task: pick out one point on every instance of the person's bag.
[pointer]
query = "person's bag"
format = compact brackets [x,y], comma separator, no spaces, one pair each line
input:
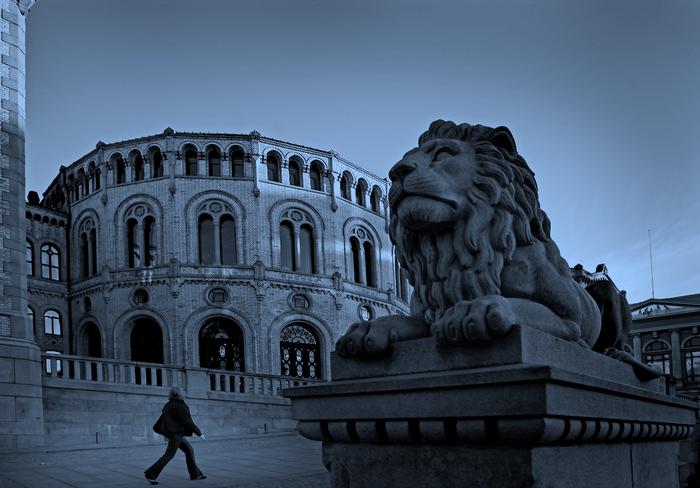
[158,426]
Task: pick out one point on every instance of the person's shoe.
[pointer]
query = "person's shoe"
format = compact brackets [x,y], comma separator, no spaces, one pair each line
[151,480]
[200,477]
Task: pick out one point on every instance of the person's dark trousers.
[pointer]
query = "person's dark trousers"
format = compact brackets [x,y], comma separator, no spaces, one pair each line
[174,443]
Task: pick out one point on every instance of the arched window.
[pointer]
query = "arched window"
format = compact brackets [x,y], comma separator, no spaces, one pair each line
[84,260]
[121,170]
[52,322]
[141,236]
[93,251]
[401,280]
[375,199]
[237,158]
[221,345]
[273,167]
[138,167]
[146,342]
[156,158]
[691,359]
[48,361]
[361,192]
[50,262]
[363,257]
[191,162]
[657,353]
[149,228]
[345,186]
[80,190]
[91,341]
[227,240]
[132,244]
[214,162]
[97,176]
[287,253]
[315,175]
[30,258]
[294,172]
[206,239]
[297,242]
[300,353]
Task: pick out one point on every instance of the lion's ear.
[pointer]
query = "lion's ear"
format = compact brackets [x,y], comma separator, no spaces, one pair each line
[504,139]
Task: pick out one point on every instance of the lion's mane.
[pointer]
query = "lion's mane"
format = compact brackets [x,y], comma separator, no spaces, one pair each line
[504,212]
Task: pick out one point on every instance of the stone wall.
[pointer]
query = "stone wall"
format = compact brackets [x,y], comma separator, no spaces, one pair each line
[117,414]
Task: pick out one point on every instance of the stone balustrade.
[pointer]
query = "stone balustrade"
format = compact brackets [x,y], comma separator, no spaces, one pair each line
[62,367]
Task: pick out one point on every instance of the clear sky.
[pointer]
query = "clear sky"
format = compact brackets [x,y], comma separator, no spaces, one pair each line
[602,97]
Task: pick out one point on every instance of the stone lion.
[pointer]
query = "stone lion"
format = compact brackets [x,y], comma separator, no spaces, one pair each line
[468,227]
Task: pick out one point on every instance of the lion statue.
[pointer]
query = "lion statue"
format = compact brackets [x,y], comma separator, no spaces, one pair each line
[468,228]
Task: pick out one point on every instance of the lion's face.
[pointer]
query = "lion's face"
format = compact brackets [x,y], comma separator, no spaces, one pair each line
[430,183]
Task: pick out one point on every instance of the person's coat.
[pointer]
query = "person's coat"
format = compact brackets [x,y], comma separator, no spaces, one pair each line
[176,420]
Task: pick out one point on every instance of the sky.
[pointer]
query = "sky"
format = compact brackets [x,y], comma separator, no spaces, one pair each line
[602,97]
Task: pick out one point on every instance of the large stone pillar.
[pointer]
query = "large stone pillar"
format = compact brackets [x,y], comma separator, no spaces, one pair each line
[527,410]
[21,411]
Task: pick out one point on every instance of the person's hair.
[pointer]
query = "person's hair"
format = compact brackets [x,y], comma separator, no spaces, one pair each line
[176,393]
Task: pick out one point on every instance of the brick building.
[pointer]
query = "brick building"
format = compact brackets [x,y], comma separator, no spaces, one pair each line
[219,251]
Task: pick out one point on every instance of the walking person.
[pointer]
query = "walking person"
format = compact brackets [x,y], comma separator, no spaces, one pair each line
[176,423]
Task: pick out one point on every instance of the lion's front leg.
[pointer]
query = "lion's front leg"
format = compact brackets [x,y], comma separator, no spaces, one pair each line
[372,338]
[478,320]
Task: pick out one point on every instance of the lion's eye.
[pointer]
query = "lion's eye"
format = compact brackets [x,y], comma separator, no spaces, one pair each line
[443,153]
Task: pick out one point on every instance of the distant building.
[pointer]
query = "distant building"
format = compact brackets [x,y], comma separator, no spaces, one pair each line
[666,332]
[217,251]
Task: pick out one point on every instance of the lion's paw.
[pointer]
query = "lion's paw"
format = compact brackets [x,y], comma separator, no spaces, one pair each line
[364,339]
[479,320]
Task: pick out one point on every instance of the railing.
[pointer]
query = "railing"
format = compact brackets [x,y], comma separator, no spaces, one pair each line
[110,371]
[255,384]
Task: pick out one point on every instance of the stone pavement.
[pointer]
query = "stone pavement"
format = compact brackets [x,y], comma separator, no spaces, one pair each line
[271,461]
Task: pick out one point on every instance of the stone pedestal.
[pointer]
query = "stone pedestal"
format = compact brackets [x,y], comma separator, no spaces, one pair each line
[526,410]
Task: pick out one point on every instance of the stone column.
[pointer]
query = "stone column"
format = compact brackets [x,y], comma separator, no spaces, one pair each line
[21,418]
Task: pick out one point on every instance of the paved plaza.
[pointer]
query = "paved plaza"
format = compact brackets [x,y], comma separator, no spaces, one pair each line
[286,460]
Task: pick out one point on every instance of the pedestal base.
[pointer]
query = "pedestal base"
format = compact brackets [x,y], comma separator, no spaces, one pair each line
[626,465]
[527,410]
[21,406]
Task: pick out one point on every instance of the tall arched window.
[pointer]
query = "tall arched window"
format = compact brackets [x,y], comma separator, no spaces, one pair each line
[91,341]
[221,345]
[375,199]
[206,239]
[156,158]
[345,185]
[273,167]
[97,176]
[227,240]
[84,261]
[52,322]
[294,172]
[80,190]
[287,253]
[237,159]
[93,250]
[297,242]
[50,262]
[30,258]
[121,170]
[149,229]
[363,257]
[300,353]
[691,359]
[657,353]
[361,192]
[315,175]
[214,162]
[88,248]
[141,236]
[146,342]
[132,244]
[138,167]
[191,162]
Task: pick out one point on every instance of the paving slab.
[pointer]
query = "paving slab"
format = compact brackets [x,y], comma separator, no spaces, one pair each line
[271,461]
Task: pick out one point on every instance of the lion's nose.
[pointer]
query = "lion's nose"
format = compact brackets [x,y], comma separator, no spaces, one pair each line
[401,170]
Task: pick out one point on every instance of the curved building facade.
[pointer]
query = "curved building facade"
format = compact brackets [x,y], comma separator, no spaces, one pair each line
[220,251]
